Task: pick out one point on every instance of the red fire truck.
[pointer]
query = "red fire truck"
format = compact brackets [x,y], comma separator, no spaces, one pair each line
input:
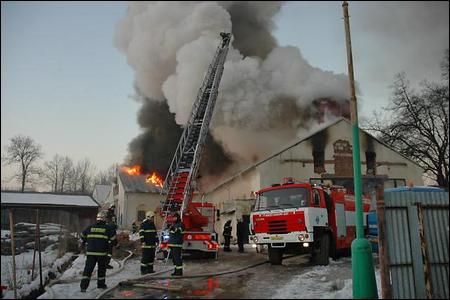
[199,237]
[298,217]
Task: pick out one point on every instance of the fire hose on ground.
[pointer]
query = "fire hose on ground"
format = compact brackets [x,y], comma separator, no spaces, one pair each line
[62,281]
[153,276]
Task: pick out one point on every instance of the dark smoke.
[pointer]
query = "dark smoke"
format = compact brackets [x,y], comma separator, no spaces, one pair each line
[252,34]
[154,149]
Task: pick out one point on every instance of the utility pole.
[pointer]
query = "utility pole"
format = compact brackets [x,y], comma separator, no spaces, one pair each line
[364,283]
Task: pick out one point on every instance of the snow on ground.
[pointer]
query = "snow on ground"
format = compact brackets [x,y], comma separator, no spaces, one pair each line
[6,233]
[323,282]
[316,282]
[70,288]
[24,262]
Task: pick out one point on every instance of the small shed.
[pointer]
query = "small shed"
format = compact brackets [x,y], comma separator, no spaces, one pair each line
[75,212]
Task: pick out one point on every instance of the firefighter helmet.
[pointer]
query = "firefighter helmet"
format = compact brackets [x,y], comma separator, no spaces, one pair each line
[150,214]
[101,216]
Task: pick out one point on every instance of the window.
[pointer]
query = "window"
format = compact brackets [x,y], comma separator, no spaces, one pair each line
[282,198]
[319,162]
[371,163]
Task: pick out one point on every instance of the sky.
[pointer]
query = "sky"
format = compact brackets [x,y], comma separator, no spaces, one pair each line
[65,84]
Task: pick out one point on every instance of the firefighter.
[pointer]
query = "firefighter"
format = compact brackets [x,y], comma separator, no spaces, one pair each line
[98,237]
[176,244]
[111,215]
[241,234]
[227,236]
[113,227]
[149,241]
[134,227]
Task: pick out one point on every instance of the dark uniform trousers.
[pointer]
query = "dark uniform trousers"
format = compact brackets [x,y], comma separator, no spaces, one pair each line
[98,238]
[149,240]
[148,258]
[177,260]
[112,244]
[91,260]
[176,246]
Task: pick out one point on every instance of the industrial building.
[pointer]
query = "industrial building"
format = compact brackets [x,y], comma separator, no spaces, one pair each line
[323,156]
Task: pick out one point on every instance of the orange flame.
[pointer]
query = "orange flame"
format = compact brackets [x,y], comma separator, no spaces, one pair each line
[134,170]
[155,179]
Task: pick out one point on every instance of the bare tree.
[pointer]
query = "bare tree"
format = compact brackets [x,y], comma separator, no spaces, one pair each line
[418,124]
[73,179]
[51,172]
[56,172]
[108,176]
[66,168]
[24,151]
[85,169]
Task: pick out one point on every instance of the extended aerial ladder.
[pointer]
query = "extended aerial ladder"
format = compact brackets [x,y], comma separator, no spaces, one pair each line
[181,176]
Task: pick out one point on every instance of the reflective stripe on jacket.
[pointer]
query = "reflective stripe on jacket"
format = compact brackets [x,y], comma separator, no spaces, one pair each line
[147,234]
[98,238]
[176,235]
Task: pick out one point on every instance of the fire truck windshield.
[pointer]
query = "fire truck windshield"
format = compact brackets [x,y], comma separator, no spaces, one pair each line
[282,198]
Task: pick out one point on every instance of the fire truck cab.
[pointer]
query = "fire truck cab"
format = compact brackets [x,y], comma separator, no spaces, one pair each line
[299,217]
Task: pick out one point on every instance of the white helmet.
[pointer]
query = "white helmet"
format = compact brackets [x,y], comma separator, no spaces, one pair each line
[101,216]
[150,214]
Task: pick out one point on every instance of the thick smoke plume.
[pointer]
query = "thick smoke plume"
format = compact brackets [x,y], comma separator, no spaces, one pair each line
[265,94]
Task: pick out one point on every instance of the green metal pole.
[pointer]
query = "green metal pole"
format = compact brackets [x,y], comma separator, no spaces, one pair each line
[364,283]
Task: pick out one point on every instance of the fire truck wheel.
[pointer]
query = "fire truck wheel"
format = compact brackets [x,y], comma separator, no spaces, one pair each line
[275,256]
[322,250]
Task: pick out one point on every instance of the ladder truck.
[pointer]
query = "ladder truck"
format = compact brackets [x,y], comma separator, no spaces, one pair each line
[179,184]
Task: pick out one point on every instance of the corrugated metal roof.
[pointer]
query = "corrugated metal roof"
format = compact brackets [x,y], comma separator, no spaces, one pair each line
[39,199]
[137,184]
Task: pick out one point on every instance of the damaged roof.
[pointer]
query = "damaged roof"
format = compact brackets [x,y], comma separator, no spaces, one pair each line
[137,184]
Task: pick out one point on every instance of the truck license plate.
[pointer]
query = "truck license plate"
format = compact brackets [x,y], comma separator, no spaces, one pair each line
[277,238]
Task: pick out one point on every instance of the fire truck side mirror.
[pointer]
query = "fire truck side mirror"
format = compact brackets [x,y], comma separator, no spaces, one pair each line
[218,214]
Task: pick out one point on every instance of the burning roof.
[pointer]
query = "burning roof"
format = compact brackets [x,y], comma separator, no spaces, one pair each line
[135,182]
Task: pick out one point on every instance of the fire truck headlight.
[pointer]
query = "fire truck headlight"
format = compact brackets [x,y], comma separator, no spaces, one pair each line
[255,239]
[306,245]
[301,237]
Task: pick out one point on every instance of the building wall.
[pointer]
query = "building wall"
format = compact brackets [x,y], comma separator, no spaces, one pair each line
[128,204]
[142,202]
[297,162]
[75,219]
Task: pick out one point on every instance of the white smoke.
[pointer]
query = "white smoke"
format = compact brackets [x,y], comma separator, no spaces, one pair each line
[171,44]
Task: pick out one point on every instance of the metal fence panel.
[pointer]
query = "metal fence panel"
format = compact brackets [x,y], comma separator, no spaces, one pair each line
[417,238]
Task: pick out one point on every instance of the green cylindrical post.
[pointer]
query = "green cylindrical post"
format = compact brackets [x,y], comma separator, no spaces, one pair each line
[364,283]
